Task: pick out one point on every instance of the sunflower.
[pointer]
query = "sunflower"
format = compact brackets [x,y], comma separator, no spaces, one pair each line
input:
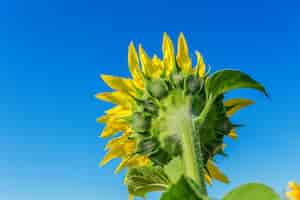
[294,193]
[150,107]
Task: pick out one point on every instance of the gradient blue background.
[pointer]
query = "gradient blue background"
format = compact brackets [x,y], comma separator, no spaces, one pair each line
[51,56]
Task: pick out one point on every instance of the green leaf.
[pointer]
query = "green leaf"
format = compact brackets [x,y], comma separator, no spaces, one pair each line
[174,169]
[142,180]
[226,80]
[185,189]
[252,191]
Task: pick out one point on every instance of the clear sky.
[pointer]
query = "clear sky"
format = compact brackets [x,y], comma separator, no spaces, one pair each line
[51,56]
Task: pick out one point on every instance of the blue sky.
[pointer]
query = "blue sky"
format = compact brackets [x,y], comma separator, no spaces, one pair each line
[51,56]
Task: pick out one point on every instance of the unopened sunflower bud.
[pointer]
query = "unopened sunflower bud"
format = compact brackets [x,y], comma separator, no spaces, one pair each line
[157,88]
[193,84]
[140,122]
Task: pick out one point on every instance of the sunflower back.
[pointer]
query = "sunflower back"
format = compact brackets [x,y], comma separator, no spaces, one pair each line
[156,110]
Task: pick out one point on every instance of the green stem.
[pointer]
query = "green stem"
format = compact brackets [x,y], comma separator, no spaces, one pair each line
[191,143]
[189,152]
[197,144]
[199,121]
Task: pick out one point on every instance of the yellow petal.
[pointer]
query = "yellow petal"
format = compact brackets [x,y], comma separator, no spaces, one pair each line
[183,59]
[215,172]
[116,97]
[115,113]
[103,119]
[113,127]
[151,67]
[232,134]
[168,54]
[115,110]
[207,179]
[122,165]
[122,84]
[118,140]
[133,63]
[200,66]
[223,146]
[119,116]
[146,61]
[234,105]
[119,151]
[293,195]
[293,185]
[138,161]
[157,65]
[126,148]
[131,197]
[110,131]
[134,161]
[125,180]
[129,147]
[109,156]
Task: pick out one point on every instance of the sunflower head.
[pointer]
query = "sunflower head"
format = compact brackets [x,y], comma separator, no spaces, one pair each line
[162,95]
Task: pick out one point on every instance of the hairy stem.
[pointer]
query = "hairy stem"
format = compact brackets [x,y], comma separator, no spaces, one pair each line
[191,143]
[181,121]
[189,152]
[198,122]
[197,147]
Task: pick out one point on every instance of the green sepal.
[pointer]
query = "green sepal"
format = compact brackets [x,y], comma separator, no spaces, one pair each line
[157,88]
[177,79]
[160,157]
[148,146]
[193,84]
[140,122]
[172,145]
[143,180]
[185,189]
[198,102]
[174,169]
[150,107]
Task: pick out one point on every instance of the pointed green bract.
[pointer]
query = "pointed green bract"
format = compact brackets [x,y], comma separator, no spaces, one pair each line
[252,191]
[226,80]
[141,181]
[174,169]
